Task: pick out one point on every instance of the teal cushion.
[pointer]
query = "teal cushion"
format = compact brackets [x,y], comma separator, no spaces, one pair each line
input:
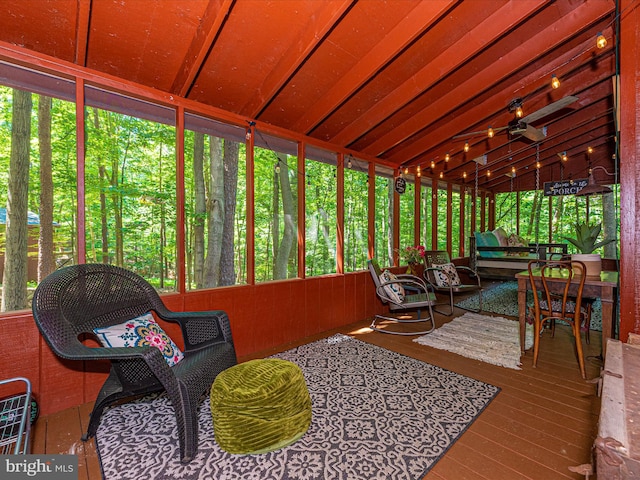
[488,239]
[260,406]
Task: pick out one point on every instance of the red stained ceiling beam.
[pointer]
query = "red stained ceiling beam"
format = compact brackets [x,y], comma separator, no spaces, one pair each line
[210,25]
[390,46]
[549,38]
[426,147]
[573,80]
[598,131]
[503,20]
[561,132]
[525,176]
[82,32]
[318,28]
[593,100]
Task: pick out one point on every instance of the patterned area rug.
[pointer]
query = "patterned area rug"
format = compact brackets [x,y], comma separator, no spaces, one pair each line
[492,340]
[376,415]
[503,300]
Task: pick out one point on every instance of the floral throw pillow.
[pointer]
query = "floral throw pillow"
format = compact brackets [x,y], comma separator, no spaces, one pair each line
[394,290]
[447,275]
[142,331]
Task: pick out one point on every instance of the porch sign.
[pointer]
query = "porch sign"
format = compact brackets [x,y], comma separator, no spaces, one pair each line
[565,187]
[400,185]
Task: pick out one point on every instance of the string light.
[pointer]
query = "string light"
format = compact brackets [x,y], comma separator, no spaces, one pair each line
[513,171]
[538,165]
[349,164]
[278,167]
[446,157]
[441,174]
[601,40]
[564,156]
[519,111]
[466,147]
[418,170]
[490,132]
[589,150]
[433,164]
[406,170]
[488,173]
[464,175]
[555,83]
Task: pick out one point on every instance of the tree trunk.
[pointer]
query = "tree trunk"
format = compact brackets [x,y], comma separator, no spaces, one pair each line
[231,158]
[535,214]
[284,248]
[390,223]
[200,213]
[14,281]
[102,173]
[275,220]
[609,225]
[215,214]
[46,260]
[103,215]
[557,216]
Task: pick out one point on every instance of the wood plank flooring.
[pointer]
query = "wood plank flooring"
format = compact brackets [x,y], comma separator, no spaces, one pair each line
[543,421]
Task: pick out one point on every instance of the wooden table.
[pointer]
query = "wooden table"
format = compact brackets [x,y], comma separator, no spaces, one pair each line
[603,287]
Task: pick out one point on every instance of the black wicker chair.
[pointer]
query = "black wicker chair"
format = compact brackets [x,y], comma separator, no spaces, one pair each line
[74,300]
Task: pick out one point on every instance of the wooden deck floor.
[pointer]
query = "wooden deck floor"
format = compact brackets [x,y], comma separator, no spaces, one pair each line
[542,422]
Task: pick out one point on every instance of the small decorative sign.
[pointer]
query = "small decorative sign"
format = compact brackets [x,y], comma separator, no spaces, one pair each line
[400,185]
[565,187]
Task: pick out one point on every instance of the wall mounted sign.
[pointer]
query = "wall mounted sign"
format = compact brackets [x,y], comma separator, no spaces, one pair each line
[565,187]
[400,185]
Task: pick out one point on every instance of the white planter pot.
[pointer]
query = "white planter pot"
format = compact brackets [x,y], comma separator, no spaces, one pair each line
[593,262]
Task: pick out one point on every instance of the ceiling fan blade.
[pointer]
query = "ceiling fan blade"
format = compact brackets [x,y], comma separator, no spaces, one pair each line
[549,109]
[480,132]
[534,134]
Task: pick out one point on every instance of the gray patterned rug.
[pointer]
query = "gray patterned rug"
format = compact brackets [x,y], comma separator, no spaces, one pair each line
[376,415]
[502,299]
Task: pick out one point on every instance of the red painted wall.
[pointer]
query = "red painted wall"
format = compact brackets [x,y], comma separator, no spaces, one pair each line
[262,316]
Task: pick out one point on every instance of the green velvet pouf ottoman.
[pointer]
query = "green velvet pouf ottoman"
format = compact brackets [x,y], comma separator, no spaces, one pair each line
[260,406]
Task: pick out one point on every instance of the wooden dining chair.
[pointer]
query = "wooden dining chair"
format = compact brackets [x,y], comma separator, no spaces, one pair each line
[587,304]
[563,301]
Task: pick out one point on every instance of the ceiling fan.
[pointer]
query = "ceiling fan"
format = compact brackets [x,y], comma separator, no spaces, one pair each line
[522,126]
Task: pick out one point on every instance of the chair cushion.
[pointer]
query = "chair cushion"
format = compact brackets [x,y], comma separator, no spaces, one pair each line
[142,331]
[488,239]
[394,291]
[260,406]
[502,236]
[447,276]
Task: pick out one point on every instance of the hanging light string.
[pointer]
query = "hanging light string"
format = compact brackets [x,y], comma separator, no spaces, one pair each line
[282,161]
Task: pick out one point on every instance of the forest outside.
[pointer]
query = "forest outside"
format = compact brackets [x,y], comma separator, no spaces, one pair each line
[135,195]
[131,205]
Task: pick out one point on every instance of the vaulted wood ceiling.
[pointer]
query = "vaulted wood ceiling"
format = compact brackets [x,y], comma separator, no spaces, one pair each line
[394,79]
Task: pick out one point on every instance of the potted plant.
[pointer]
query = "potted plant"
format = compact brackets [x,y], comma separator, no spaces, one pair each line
[414,257]
[586,241]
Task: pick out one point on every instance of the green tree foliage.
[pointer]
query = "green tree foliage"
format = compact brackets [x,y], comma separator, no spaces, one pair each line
[383,233]
[321,218]
[407,217]
[356,207]
[130,183]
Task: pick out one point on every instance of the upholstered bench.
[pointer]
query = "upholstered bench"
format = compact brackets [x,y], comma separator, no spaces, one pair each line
[260,406]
